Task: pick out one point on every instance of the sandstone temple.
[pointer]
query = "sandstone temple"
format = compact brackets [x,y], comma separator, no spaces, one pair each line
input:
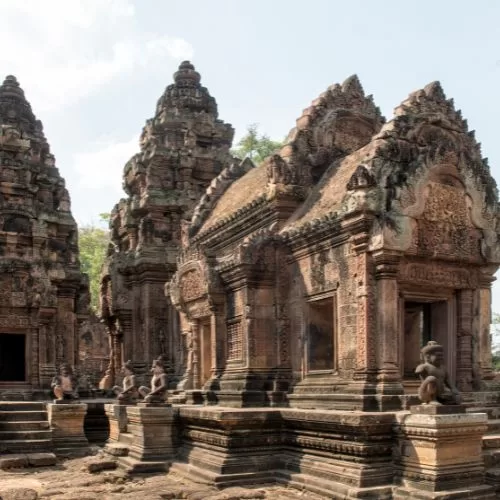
[287,304]
[44,297]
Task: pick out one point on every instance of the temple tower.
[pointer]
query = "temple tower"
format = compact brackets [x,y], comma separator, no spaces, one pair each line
[182,148]
[43,294]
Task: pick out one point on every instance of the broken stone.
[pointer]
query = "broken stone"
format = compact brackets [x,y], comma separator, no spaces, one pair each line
[19,494]
[41,459]
[13,461]
[101,465]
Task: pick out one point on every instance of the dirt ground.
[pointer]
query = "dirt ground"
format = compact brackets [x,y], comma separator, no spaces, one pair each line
[71,480]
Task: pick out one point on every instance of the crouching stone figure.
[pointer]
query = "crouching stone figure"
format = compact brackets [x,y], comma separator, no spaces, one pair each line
[436,387]
[129,393]
[64,385]
[159,384]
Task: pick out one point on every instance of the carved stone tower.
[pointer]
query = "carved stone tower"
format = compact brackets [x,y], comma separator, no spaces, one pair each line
[182,149]
[43,294]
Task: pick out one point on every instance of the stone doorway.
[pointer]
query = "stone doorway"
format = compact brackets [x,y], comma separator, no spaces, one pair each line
[425,320]
[321,335]
[12,357]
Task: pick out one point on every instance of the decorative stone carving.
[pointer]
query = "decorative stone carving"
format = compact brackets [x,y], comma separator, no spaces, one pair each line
[184,157]
[38,250]
[157,394]
[436,387]
[64,385]
[128,394]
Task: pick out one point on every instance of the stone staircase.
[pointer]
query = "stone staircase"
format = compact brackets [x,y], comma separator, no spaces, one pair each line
[491,443]
[24,428]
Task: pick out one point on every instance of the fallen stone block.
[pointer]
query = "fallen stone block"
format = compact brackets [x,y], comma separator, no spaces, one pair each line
[19,494]
[13,461]
[116,450]
[41,459]
[101,465]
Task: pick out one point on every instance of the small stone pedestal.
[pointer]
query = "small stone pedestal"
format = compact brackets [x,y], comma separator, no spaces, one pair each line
[66,423]
[117,416]
[152,427]
[440,454]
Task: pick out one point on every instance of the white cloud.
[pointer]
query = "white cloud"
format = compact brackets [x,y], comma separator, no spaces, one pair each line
[102,167]
[67,50]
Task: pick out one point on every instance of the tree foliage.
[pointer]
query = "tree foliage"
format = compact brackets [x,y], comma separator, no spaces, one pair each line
[256,146]
[495,341]
[93,241]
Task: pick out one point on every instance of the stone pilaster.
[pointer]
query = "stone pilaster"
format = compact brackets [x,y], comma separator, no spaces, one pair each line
[484,306]
[440,456]
[464,340]
[66,423]
[388,330]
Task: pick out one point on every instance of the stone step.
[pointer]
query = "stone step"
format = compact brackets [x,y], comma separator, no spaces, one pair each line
[11,461]
[21,435]
[22,406]
[134,466]
[22,416]
[31,425]
[491,441]
[491,458]
[493,412]
[25,446]
[493,426]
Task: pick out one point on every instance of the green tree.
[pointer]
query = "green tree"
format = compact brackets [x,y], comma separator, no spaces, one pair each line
[93,242]
[256,146]
[495,341]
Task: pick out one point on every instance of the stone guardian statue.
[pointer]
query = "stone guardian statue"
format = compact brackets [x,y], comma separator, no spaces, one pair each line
[129,393]
[159,384]
[64,385]
[436,387]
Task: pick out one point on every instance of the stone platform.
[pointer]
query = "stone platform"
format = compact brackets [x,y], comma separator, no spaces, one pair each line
[439,454]
[332,453]
[67,425]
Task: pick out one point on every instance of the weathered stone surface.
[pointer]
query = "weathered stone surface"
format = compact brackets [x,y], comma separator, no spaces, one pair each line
[44,295]
[117,416]
[307,281]
[66,423]
[41,459]
[441,453]
[19,494]
[182,148]
[13,461]
[153,430]
[101,465]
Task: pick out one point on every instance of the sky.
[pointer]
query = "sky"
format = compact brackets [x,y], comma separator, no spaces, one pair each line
[94,69]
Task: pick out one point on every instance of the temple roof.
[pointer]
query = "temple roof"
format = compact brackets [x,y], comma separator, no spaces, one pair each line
[426,130]
[241,192]
[341,120]
[15,111]
[187,93]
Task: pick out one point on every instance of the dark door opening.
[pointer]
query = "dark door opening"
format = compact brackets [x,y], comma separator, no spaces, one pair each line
[12,357]
[321,335]
[423,321]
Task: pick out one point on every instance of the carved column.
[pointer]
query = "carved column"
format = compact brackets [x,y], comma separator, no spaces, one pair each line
[484,327]
[195,336]
[388,331]
[464,340]
[365,335]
